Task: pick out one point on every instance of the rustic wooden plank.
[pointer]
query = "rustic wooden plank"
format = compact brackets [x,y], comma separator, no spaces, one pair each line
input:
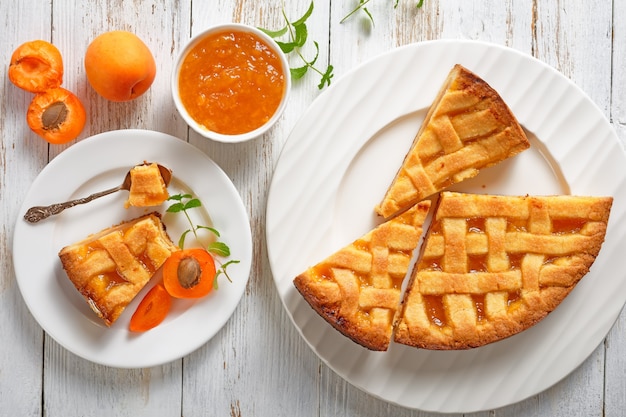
[615,361]
[22,156]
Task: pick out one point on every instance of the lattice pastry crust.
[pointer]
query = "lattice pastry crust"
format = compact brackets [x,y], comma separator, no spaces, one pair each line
[468,127]
[492,266]
[111,267]
[147,187]
[357,289]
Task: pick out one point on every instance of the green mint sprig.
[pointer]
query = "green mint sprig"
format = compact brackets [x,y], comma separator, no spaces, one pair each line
[363,3]
[297,38]
[183,203]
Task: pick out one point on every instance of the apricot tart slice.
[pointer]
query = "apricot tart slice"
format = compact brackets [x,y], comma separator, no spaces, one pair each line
[357,289]
[111,267]
[492,266]
[468,127]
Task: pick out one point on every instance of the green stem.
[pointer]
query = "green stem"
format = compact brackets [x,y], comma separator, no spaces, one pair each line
[359,7]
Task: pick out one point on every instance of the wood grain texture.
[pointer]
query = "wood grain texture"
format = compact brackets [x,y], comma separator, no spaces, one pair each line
[258,365]
[615,344]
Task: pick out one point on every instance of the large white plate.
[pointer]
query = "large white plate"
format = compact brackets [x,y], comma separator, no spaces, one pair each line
[99,163]
[340,158]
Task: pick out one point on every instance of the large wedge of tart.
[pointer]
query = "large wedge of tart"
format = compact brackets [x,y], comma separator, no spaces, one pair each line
[112,266]
[468,127]
[357,289]
[492,266]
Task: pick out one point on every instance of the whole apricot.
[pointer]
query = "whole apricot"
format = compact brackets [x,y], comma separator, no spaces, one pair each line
[119,66]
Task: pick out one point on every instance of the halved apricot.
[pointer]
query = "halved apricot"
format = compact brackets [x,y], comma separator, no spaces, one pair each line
[36,66]
[189,273]
[56,115]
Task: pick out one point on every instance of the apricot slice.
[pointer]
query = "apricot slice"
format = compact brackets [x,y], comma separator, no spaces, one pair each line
[56,115]
[36,66]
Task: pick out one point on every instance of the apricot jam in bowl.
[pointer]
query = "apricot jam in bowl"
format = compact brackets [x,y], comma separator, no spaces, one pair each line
[230,83]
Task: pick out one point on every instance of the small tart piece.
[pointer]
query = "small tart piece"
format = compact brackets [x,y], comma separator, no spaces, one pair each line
[468,127]
[147,187]
[112,266]
[493,266]
[357,289]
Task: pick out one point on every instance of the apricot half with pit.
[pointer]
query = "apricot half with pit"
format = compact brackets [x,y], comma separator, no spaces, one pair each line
[119,65]
[56,115]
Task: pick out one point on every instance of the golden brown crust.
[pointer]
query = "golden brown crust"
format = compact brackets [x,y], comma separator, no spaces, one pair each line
[111,267]
[357,289]
[147,187]
[467,128]
[493,266]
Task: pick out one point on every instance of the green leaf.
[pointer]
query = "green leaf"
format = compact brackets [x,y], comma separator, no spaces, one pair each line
[175,208]
[214,231]
[219,248]
[297,73]
[179,197]
[367,12]
[176,197]
[317,53]
[286,47]
[420,4]
[304,17]
[193,203]
[326,77]
[181,240]
[301,35]
[274,33]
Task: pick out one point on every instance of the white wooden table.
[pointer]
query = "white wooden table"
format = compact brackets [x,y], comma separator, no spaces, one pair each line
[258,365]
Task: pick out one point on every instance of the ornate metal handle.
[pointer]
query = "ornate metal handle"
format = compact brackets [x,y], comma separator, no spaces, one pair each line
[35,214]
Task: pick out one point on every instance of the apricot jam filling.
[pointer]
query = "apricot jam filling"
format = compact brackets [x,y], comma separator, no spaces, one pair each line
[479,303]
[110,279]
[516,225]
[477,263]
[566,226]
[436,312]
[231,82]
[435,309]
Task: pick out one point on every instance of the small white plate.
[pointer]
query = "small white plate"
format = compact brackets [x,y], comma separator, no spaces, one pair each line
[99,163]
[342,155]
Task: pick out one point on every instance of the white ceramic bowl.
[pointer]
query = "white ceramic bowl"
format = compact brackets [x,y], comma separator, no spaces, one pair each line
[202,130]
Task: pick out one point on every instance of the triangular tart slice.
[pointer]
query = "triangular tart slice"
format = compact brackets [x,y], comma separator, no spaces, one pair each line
[111,267]
[357,289]
[468,127]
[493,266]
